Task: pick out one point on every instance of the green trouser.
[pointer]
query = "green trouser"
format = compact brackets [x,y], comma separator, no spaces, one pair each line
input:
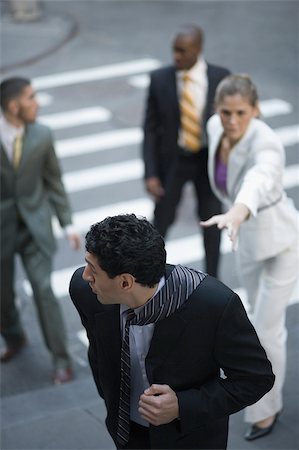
[38,269]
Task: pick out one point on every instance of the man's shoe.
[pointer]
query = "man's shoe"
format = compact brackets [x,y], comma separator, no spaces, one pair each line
[12,350]
[256,432]
[63,375]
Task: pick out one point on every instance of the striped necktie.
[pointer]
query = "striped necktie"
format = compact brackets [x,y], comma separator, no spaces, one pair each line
[17,151]
[176,290]
[190,121]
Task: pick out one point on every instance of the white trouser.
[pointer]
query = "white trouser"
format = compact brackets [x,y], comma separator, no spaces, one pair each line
[269,285]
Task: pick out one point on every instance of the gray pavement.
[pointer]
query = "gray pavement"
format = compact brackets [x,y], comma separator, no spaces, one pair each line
[72,416]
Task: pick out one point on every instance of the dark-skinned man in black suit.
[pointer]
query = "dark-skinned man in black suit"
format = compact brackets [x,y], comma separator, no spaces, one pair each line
[169,162]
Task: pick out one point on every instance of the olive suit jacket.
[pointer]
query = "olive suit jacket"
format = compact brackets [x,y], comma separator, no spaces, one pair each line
[32,193]
[210,331]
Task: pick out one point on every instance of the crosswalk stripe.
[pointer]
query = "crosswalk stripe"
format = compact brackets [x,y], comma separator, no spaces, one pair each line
[183,250]
[83,219]
[291,176]
[132,136]
[130,170]
[95,73]
[84,116]
[44,99]
[104,175]
[275,107]
[288,135]
[186,250]
[98,142]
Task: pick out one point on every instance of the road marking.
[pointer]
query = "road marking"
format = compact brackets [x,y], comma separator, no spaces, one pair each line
[130,170]
[104,175]
[183,250]
[98,142]
[83,219]
[291,176]
[95,73]
[275,107]
[44,99]
[139,81]
[288,135]
[74,118]
[132,136]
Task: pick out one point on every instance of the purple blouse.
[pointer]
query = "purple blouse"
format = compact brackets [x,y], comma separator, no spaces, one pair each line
[220,174]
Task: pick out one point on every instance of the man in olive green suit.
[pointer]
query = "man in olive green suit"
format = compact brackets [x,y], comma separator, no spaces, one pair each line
[31,192]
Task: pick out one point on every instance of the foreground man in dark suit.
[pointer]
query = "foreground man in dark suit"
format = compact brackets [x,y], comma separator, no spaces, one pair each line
[159,336]
[170,158]
[31,192]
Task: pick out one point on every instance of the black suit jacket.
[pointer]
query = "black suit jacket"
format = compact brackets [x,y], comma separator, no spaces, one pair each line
[162,119]
[210,331]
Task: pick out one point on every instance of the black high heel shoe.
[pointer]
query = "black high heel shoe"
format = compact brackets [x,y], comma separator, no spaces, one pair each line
[256,432]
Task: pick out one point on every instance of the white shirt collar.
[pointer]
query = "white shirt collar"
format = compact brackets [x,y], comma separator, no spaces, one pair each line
[197,71]
[124,308]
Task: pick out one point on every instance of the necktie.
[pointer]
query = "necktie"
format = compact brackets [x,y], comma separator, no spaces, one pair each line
[190,122]
[177,289]
[17,151]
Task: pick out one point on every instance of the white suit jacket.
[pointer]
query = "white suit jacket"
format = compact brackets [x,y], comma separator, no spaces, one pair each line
[254,178]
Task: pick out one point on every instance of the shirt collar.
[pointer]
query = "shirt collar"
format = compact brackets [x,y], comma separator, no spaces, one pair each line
[8,129]
[124,308]
[197,71]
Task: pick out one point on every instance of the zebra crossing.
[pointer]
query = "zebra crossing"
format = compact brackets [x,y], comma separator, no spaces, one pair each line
[184,249]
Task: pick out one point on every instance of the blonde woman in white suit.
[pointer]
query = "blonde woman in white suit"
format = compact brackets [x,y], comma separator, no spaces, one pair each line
[246,163]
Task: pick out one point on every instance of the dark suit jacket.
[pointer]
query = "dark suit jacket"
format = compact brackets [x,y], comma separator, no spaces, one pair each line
[210,331]
[34,192]
[162,119]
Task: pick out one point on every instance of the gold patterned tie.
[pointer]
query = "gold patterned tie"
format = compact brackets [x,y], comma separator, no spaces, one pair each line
[190,121]
[17,151]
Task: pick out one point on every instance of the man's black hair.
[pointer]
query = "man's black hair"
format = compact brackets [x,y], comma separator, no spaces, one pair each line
[10,89]
[127,244]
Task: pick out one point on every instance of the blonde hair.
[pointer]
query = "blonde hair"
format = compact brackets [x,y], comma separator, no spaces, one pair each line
[237,84]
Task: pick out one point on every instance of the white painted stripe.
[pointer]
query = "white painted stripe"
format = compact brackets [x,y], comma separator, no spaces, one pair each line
[98,142]
[185,250]
[68,119]
[133,136]
[84,219]
[139,81]
[44,99]
[288,135]
[275,107]
[291,176]
[105,175]
[133,170]
[95,73]
[82,336]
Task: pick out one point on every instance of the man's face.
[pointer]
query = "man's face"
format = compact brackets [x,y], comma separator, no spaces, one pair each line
[185,52]
[106,289]
[26,105]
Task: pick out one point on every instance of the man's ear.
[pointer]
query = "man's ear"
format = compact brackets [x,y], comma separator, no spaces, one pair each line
[126,281]
[13,107]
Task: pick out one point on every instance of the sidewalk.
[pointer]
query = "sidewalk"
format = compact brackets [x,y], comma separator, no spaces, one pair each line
[24,43]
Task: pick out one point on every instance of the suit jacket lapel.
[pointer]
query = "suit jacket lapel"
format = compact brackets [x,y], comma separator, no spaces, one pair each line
[4,158]
[172,90]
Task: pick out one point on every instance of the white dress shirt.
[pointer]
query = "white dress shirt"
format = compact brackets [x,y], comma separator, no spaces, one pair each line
[8,134]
